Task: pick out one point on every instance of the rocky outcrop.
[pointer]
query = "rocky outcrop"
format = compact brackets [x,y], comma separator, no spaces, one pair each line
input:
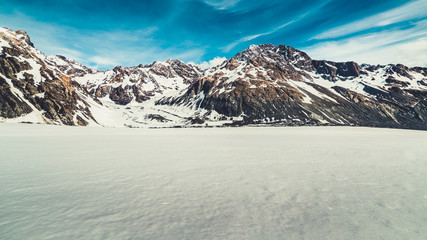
[23,36]
[333,69]
[121,95]
[11,106]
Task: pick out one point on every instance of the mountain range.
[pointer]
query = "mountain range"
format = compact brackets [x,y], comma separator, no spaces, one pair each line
[262,85]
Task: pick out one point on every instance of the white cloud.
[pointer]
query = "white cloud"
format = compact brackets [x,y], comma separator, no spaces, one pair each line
[103,61]
[412,10]
[211,63]
[221,4]
[407,46]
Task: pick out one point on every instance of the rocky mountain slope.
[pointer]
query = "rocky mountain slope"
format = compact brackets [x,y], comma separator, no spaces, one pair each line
[279,84]
[263,84]
[32,89]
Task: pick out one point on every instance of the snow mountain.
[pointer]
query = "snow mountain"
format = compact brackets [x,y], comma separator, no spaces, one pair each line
[264,84]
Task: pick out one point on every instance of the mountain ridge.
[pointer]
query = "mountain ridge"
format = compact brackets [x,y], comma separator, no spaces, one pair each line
[263,84]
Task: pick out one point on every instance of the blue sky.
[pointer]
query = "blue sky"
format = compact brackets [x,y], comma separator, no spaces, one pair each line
[103,34]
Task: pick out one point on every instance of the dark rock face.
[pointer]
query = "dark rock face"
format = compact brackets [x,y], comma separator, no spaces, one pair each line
[157,117]
[393,82]
[10,66]
[421,70]
[59,102]
[10,105]
[333,69]
[187,72]
[400,70]
[267,102]
[121,95]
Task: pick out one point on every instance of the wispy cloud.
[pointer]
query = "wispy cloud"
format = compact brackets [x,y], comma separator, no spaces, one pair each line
[408,46]
[101,61]
[252,37]
[221,4]
[412,10]
[109,58]
[101,49]
[248,38]
[70,53]
[134,52]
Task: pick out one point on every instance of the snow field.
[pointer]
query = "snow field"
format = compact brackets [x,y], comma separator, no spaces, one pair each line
[62,182]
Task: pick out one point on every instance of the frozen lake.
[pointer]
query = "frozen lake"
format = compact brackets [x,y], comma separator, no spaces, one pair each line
[228,183]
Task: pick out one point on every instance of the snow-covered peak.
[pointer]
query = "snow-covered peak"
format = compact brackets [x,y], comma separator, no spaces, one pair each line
[19,40]
[23,36]
[16,38]
[271,53]
[6,33]
[254,51]
[68,66]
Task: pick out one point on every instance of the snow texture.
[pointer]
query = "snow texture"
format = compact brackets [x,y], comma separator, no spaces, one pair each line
[62,182]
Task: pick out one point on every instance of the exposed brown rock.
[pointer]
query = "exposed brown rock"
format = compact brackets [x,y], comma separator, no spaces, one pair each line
[333,69]
[25,37]
[102,91]
[232,64]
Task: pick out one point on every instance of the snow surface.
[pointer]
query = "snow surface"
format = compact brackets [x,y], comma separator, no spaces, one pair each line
[62,182]
[306,87]
[57,60]
[3,43]
[34,71]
